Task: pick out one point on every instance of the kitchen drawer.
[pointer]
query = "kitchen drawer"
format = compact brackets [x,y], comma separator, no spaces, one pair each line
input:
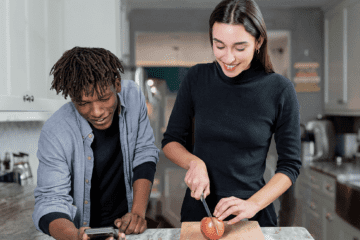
[314,210]
[323,184]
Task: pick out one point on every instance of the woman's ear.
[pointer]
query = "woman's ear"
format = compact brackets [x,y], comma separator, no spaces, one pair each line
[259,42]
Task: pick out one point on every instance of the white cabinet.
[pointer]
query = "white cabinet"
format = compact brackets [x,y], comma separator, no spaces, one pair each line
[29,44]
[35,34]
[174,193]
[342,55]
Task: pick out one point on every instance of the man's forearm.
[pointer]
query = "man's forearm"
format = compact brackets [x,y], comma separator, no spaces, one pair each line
[277,185]
[142,188]
[63,229]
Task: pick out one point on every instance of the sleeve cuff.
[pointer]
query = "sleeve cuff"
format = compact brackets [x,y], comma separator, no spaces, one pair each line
[48,218]
[145,170]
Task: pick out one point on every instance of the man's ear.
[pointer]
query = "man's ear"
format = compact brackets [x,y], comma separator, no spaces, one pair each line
[117,85]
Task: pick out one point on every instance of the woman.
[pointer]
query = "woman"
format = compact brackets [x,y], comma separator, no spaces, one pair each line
[238,103]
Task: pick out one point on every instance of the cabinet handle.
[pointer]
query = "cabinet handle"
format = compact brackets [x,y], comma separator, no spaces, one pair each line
[329,188]
[28,98]
[329,217]
[341,101]
[312,179]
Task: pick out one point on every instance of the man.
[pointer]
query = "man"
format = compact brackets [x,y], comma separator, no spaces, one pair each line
[97,157]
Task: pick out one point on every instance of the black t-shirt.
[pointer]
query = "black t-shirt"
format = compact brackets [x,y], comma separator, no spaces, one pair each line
[107,194]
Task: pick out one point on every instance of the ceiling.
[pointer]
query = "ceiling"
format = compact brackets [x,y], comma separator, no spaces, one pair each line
[133,4]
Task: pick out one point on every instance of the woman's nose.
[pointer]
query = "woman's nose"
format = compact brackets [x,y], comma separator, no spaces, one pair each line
[229,58]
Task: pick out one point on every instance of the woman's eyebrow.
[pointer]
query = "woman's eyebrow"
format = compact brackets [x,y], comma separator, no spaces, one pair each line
[237,43]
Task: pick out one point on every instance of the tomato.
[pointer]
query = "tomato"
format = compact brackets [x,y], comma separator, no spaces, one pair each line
[208,229]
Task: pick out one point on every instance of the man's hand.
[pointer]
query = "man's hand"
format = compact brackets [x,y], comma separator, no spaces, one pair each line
[131,223]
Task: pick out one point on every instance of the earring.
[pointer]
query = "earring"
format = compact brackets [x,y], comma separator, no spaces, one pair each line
[257,51]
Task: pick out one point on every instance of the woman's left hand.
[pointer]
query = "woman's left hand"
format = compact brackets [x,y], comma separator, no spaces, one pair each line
[235,206]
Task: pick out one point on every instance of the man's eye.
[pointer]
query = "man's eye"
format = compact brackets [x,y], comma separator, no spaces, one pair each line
[104,99]
[81,104]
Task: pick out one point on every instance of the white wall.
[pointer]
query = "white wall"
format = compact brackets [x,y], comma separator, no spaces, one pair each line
[21,137]
[92,23]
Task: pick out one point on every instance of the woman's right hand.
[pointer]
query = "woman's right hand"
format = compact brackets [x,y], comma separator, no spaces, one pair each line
[197,179]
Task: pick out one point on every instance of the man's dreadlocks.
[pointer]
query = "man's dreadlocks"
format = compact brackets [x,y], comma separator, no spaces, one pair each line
[83,70]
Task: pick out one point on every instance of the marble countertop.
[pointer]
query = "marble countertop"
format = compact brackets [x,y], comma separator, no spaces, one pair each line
[17,205]
[334,170]
[347,172]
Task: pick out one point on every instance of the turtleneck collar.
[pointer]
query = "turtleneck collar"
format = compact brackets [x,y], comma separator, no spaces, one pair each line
[255,70]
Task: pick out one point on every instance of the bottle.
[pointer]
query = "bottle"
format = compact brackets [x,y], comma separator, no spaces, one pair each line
[7,161]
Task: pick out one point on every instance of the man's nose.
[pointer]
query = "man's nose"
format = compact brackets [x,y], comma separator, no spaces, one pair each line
[97,110]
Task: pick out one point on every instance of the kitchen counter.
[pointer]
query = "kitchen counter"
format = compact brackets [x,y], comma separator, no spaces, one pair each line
[334,170]
[17,205]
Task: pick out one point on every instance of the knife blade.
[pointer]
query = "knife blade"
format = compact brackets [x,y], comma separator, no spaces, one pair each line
[208,212]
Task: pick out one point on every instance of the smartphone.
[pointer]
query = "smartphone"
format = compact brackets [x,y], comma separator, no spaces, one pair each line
[102,232]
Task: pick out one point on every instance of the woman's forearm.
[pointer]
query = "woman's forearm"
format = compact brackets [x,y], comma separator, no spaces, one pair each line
[277,185]
[178,154]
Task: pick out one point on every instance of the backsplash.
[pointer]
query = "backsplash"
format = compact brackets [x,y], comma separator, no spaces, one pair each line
[21,137]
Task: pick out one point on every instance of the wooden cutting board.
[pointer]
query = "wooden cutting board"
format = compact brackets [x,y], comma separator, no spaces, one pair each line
[243,230]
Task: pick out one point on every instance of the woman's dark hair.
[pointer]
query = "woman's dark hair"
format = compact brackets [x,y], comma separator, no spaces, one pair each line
[86,70]
[248,14]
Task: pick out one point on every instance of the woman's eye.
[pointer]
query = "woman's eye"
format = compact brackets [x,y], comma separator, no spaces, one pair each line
[240,50]
[220,47]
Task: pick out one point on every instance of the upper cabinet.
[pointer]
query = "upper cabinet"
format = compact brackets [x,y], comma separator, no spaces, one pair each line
[35,34]
[172,49]
[342,56]
[30,43]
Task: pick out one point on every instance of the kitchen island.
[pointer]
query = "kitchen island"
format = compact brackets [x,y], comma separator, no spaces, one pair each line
[17,206]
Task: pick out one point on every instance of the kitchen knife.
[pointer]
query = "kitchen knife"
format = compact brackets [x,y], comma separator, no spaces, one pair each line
[208,212]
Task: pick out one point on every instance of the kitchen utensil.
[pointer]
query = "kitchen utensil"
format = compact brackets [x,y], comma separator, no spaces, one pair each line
[208,211]
[324,139]
[346,145]
[242,230]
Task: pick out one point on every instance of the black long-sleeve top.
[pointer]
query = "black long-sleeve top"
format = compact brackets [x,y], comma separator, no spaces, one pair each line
[235,119]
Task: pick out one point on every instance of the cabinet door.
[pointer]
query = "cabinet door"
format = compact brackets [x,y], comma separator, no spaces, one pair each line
[353,54]
[335,63]
[314,219]
[17,81]
[4,48]
[332,223]
[175,188]
[172,49]
[27,47]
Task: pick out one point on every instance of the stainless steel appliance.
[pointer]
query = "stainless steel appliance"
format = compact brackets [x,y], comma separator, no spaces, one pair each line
[323,133]
[348,198]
